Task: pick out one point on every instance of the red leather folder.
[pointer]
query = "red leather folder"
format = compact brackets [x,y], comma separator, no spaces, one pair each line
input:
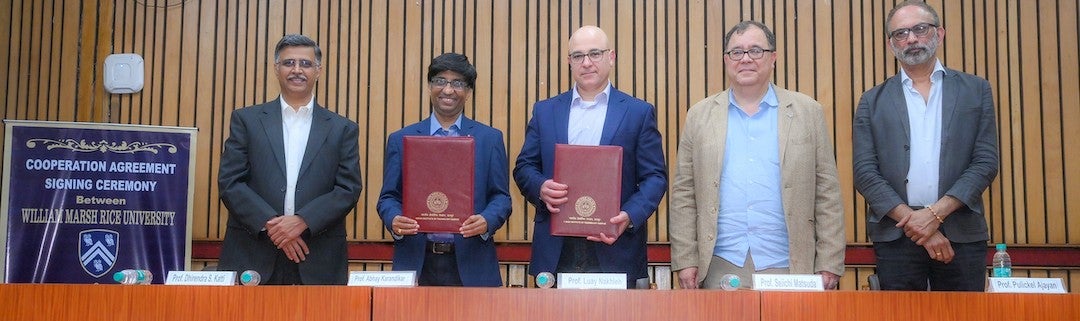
[437,181]
[593,175]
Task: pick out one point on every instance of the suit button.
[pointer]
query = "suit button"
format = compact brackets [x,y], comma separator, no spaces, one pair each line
[905,181]
[282,189]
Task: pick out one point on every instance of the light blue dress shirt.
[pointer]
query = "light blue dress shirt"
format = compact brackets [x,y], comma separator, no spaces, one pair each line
[751,217]
[924,118]
[586,123]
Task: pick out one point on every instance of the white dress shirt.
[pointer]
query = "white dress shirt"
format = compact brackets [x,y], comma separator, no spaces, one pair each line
[295,127]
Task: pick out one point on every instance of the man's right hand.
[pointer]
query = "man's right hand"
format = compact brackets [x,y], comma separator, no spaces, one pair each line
[553,194]
[939,248]
[296,250]
[688,278]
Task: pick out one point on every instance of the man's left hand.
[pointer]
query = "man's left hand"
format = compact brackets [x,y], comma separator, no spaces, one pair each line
[830,280]
[285,228]
[622,221]
[473,226]
[919,226]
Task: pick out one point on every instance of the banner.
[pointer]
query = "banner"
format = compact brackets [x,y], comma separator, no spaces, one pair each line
[84,200]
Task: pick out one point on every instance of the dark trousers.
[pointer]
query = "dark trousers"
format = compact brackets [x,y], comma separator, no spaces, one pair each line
[904,265]
[577,256]
[439,269]
[285,272]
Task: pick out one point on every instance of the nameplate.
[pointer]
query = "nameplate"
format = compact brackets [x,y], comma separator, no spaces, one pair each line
[788,282]
[609,281]
[382,278]
[201,278]
[1026,285]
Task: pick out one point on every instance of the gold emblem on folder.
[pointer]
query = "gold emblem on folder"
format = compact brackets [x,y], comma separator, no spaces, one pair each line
[437,202]
[585,206]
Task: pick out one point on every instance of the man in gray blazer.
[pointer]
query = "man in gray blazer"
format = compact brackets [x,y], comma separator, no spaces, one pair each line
[289,174]
[755,189]
[925,149]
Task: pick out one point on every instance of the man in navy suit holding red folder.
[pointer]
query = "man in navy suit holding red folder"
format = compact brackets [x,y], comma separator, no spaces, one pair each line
[593,113]
[443,259]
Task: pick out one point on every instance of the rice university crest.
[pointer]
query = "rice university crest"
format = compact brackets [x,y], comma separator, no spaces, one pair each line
[97,250]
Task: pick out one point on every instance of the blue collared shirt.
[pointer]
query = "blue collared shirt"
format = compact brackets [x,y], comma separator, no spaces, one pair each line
[751,214]
[435,127]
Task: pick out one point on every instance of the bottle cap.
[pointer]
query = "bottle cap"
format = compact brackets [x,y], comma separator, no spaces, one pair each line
[1001,246]
[734,282]
[245,277]
[545,280]
[118,276]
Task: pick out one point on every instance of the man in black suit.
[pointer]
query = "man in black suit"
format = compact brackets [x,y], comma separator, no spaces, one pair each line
[925,149]
[289,174]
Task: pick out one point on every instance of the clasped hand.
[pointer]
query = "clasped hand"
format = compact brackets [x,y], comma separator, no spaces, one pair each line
[285,232]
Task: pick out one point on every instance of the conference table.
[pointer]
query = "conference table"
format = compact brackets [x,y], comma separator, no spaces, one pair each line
[268,303]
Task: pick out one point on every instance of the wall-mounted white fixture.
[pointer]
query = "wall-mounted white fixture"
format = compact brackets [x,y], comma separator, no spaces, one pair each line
[123,73]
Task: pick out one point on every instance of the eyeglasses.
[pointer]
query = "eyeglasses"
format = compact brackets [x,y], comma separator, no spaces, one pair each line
[755,53]
[920,30]
[304,63]
[595,55]
[440,82]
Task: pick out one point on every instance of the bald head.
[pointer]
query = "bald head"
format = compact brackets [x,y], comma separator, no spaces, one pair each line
[591,36]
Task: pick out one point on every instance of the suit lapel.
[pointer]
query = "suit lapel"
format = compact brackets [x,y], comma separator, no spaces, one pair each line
[785,117]
[615,114]
[948,104]
[897,102]
[562,119]
[320,129]
[271,123]
[467,126]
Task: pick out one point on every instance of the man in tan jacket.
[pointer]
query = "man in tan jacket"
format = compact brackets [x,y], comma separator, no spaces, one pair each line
[755,190]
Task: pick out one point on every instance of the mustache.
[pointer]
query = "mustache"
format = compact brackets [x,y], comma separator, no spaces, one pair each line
[911,50]
[300,77]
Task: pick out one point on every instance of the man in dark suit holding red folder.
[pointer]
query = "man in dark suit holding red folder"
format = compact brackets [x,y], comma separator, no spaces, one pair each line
[442,259]
[593,113]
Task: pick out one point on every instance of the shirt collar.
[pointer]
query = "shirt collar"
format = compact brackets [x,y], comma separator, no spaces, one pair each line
[435,126]
[305,109]
[939,72]
[601,97]
[769,100]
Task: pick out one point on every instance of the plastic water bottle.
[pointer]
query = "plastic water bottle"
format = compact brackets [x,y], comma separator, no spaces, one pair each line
[730,282]
[130,276]
[545,280]
[249,277]
[1002,263]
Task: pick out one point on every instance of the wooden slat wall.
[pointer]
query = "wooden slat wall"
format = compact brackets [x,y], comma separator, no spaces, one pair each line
[206,58]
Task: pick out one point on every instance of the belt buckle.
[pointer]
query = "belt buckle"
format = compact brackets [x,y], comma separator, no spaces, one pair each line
[441,248]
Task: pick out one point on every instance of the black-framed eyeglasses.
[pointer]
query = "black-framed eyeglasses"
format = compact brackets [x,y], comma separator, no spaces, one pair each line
[303,63]
[919,30]
[440,82]
[755,53]
[595,55]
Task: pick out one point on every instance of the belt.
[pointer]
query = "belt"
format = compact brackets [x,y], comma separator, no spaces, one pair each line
[440,247]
